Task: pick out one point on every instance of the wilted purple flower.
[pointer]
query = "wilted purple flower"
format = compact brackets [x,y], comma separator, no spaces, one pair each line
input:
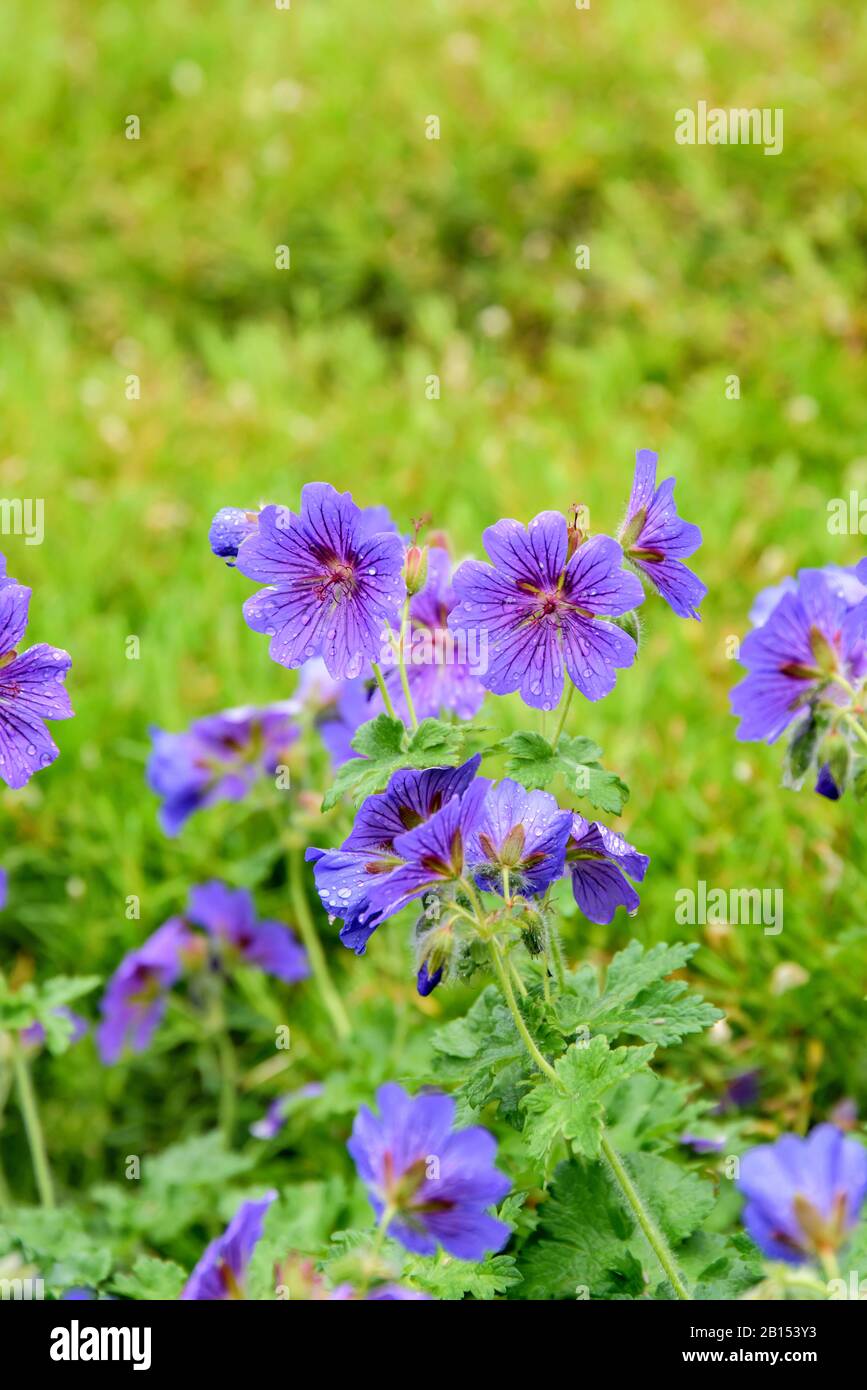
[221,1271]
[218,758]
[275,1116]
[803,1195]
[229,914]
[34,1034]
[439,668]
[657,541]
[31,689]
[229,528]
[810,638]
[537,609]
[434,1183]
[599,860]
[522,831]
[135,999]
[344,877]
[333,586]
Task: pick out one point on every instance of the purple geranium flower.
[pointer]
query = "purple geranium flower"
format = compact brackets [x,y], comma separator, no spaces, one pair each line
[522,831]
[4,883]
[537,609]
[229,528]
[803,1195]
[31,689]
[841,580]
[345,877]
[221,1270]
[333,586]
[599,860]
[436,1184]
[229,914]
[135,999]
[432,856]
[274,1118]
[34,1034]
[809,638]
[656,540]
[441,672]
[218,758]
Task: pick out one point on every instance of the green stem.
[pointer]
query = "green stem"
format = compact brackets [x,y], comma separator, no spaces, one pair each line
[32,1125]
[557,959]
[654,1236]
[563,713]
[856,728]
[526,1036]
[309,935]
[228,1083]
[383,690]
[373,1254]
[630,1192]
[404,679]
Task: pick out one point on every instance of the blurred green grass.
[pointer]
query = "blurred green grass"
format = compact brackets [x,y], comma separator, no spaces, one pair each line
[306,127]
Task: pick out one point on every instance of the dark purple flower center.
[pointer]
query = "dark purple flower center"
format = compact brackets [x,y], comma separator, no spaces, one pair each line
[338,580]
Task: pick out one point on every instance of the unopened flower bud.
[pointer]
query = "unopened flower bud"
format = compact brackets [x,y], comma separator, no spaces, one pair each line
[415,569]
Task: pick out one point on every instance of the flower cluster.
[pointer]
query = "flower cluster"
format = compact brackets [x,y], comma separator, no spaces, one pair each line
[219,758]
[806,658]
[443,832]
[135,1001]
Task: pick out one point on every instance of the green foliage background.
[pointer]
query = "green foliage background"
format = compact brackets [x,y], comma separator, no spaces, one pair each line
[306,127]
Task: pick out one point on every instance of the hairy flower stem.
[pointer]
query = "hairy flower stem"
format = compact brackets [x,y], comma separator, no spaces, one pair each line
[857,729]
[309,935]
[654,1236]
[564,713]
[401,663]
[383,690]
[32,1125]
[630,1192]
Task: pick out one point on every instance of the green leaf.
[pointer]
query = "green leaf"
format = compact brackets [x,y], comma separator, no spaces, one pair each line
[151,1280]
[41,1003]
[63,1252]
[651,1112]
[589,1239]
[574,1110]
[534,762]
[385,746]
[483,1057]
[582,1248]
[636,998]
[450,1279]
